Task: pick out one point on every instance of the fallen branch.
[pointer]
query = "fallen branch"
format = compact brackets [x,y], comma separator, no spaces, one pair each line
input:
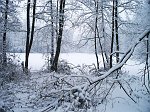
[81,90]
[124,59]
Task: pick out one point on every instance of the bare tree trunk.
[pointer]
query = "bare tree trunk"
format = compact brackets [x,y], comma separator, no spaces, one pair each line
[29,40]
[95,36]
[28,35]
[112,38]
[147,60]
[102,52]
[103,36]
[116,30]
[146,69]
[57,8]
[4,56]
[61,24]
[52,33]
[33,25]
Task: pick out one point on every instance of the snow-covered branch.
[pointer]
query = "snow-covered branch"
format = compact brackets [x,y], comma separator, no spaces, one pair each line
[125,57]
[116,52]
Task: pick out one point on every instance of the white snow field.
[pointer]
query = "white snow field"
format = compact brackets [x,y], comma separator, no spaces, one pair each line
[38,60]
[118,100]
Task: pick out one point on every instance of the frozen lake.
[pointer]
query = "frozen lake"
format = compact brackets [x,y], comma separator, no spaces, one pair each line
[38,60]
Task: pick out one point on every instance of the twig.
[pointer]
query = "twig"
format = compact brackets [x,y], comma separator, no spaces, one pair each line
[127,92]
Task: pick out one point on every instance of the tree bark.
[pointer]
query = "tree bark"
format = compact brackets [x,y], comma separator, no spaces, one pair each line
[103,36]
[28,35]
[112,38]
[52,33]
[95,36]
[61,24]
[33,26]
[4,36]
[29,39]
[116,30]
[147,60]
[57,10]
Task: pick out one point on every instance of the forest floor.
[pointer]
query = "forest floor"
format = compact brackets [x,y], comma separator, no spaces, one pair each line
[27,95]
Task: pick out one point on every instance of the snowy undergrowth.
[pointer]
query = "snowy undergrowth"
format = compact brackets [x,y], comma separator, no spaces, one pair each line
[10,76]
[74,92]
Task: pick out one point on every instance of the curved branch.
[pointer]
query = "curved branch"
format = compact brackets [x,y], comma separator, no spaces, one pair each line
[125,57]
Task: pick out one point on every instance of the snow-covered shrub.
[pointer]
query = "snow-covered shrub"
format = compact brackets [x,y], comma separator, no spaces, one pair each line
[12,71]
[64,67]
[59,90]
[80,98]
[5,109]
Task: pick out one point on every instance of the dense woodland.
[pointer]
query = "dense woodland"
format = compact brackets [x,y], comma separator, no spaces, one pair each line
[115,31]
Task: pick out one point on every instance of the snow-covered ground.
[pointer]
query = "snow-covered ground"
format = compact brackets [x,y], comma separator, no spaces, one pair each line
[118,100]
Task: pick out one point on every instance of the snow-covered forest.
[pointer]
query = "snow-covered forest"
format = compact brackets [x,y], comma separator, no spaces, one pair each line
[74,55]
